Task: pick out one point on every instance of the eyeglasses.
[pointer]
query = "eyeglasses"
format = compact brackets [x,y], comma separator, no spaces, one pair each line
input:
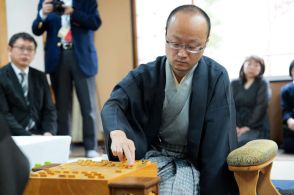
[23,48]
[188,48]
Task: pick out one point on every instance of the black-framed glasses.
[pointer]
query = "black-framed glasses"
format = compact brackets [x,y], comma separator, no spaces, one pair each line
[23,48]
[188,48]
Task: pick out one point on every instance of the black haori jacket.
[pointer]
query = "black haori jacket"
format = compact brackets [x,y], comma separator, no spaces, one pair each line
[135,106]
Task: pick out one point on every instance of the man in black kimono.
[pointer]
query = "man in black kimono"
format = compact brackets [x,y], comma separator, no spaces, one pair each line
[177,111]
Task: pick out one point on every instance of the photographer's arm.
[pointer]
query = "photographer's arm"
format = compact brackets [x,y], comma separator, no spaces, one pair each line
[44,8]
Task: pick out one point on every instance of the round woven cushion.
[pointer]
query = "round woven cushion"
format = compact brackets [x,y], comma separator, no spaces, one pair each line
[254,152]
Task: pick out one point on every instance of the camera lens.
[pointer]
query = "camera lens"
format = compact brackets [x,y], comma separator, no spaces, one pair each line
[57,6]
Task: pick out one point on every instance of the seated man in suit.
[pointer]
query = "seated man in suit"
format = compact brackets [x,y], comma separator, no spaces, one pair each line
[287,105]
[14,166]
[25,98]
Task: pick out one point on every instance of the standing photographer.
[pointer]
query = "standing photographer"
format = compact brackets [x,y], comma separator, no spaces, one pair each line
[70,58]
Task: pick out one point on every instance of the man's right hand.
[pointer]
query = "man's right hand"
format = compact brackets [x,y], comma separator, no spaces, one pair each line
[122,147]
[290,123]
[47,7]
[242,130]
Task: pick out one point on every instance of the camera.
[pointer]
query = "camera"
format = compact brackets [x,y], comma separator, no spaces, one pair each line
[57,6]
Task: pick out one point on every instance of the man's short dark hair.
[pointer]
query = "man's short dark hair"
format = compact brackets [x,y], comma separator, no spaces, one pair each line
[192,9]
[291,67]
[24,36]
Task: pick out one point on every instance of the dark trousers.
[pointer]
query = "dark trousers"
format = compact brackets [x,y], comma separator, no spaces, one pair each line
[69,74]
[288,140]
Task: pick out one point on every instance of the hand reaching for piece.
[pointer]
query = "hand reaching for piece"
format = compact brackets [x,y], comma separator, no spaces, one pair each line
[122,147]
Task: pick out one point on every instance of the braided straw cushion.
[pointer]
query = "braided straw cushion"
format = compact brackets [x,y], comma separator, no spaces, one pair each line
[254,152]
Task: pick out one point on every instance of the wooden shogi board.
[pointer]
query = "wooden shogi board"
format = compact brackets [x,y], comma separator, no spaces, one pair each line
[85,177]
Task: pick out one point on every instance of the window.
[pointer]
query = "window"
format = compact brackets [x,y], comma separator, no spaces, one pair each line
[239,29]
[151,17]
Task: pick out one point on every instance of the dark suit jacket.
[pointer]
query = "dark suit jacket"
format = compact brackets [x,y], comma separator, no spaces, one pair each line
[84,21]
[135,106]
[287,101]
[14,166]
[15,109]
[287,105]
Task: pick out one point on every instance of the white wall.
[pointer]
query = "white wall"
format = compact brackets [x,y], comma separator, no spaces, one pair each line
[20,16]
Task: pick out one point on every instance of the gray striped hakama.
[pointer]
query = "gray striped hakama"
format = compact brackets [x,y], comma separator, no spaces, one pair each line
[177,175]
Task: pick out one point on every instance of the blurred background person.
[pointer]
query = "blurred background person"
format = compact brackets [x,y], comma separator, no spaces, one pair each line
[251,94]
[287,105]
[14,166]
[70,58]
[25,97]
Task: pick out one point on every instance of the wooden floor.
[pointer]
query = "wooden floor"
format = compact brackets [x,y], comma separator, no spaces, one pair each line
[283,167]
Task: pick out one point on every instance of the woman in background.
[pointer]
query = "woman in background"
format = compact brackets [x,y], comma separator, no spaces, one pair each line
[251,94]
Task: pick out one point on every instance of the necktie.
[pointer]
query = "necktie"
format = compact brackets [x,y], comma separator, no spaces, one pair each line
[24,84]
[68,37]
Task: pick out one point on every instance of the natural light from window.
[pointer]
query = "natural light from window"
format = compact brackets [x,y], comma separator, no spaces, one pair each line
[239,29]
